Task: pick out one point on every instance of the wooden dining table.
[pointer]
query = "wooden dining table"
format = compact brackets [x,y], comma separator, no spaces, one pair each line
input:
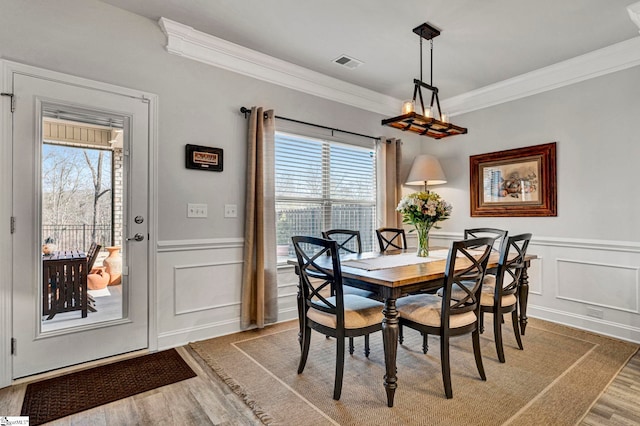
[398,280]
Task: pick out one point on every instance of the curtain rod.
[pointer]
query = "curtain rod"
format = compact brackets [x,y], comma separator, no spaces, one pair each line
[246,111]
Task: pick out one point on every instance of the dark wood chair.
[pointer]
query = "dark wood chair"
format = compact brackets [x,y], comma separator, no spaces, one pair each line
[92,255]
[349,241]
[340,315]
[391,238]
[498,234]
[446,317]
[501,296]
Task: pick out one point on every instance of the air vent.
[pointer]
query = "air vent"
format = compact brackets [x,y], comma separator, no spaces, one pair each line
[348,62]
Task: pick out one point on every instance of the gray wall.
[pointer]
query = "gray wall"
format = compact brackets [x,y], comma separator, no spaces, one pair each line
[198,104]
[595,126]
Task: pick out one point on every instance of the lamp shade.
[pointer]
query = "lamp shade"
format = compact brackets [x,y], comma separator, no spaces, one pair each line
[426,170]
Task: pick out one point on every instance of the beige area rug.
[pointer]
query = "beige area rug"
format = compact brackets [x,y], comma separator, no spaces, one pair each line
[554,381]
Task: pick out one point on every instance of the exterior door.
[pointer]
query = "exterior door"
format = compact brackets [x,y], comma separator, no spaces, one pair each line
[77,337]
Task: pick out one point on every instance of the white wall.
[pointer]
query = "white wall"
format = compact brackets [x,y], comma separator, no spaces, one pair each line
[199,259]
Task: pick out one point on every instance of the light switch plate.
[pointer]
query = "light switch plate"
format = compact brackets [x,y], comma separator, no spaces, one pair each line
[196,210]
[230,210]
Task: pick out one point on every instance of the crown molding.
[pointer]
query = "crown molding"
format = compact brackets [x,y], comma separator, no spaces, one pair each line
[616,57]
[183,40]
[634,13]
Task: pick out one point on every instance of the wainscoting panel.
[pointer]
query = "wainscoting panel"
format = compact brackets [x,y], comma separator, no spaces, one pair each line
[592,285]
[588,284]
[199,285]
[608,286]
[198,288]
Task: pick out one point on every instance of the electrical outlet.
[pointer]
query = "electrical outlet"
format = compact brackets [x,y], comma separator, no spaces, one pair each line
[230,210]
[196,210]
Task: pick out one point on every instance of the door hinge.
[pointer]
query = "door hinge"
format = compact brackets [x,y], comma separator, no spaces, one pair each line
[14,344]
[13,100]
[13,224]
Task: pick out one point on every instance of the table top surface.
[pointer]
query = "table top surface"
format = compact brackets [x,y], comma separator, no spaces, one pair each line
[65,255]
[398,276]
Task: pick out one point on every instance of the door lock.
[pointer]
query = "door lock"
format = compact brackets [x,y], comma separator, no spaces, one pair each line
[137,237]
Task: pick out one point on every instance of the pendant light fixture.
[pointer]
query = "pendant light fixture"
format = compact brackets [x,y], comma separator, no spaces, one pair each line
[432,123]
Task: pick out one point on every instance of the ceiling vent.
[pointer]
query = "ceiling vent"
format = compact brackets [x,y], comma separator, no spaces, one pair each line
[348,62]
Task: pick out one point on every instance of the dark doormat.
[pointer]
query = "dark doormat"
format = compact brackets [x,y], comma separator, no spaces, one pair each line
[65,395]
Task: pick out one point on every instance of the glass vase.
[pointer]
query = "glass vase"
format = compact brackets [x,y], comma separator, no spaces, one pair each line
[423,238]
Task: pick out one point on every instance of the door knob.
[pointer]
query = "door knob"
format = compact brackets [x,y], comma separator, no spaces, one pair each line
[137,237]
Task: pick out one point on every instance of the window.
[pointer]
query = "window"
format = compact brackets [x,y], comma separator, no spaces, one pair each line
[323,185]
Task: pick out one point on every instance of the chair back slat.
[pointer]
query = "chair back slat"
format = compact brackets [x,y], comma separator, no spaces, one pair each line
[511,264]
[500,236]
[391,238]
[348,240]
[92,255]
[316,278]
[466,267]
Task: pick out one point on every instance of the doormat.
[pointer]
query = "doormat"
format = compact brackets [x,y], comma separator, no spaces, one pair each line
[69,394]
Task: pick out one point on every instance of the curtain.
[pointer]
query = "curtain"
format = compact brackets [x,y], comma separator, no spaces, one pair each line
[259,274]
[389,154]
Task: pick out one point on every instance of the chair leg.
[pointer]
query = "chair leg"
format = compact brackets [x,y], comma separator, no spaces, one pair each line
[446,367]
[351,347]
[306,340]
[400,334]
[497,331]
[476,353]
[367,351]
[516,328]
[425,343]
[337,387]
[481,322]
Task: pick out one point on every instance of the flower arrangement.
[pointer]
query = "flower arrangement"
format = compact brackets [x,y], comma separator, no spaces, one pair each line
[423,210]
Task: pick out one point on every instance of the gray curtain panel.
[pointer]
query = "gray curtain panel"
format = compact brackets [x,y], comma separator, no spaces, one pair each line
[259,274]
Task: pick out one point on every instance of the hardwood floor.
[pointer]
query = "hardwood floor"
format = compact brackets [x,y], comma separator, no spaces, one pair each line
[620,403]
[206,400]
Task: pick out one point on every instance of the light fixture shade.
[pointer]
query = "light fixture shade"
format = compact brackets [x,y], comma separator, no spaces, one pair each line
[426,170]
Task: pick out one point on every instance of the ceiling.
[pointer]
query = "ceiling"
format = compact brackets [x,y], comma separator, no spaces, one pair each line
[482,42]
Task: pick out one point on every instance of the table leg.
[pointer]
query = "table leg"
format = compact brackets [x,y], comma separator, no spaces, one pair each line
[390,341]
[523,298]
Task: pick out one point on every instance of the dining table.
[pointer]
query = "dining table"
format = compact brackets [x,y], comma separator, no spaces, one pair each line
[397,273]
[64,283]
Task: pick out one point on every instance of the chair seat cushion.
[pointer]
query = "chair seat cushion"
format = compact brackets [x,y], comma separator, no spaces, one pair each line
[486,297]
[426,308]
[359,312]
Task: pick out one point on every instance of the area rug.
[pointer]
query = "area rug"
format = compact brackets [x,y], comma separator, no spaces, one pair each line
[555,380]
[65,395]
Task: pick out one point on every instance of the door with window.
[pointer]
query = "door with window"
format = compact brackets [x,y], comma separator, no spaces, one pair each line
[80,203]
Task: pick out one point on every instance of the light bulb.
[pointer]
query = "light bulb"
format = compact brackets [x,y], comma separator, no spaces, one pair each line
[408,107]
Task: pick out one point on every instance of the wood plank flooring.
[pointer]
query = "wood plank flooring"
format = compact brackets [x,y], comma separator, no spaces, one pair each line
[206,400]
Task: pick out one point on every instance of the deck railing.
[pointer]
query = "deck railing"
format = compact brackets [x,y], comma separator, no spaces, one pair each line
[78,236]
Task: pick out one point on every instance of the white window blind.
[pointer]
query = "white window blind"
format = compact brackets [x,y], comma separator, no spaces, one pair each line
[322,185]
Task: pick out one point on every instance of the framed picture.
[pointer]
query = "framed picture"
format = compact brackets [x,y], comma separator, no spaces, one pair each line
[203,158]
[516,182]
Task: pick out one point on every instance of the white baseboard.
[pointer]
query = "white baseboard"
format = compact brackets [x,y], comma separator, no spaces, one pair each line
[594,325]
[183,337]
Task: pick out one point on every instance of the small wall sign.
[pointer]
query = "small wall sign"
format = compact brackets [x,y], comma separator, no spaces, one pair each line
[203,158]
